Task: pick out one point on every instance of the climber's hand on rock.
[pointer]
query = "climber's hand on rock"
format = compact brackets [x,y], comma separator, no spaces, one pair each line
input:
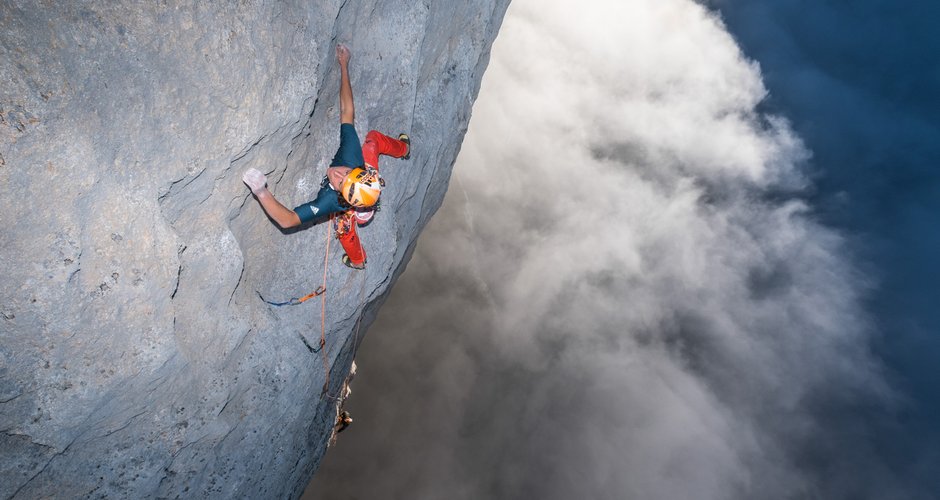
[342,54]
[255,180]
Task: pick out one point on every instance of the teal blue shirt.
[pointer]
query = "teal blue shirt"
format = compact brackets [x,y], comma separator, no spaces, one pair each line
[326,203]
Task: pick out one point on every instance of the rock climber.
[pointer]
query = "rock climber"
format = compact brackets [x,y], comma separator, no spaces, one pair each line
[352,184]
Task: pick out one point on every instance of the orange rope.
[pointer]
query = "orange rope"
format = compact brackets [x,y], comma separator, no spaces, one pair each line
[326,261]
[362,290]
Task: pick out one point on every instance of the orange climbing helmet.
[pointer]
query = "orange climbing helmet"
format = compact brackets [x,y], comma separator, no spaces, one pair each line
[362,187]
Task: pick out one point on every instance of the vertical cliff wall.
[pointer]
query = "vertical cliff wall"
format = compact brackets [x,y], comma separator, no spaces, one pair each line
[136,357]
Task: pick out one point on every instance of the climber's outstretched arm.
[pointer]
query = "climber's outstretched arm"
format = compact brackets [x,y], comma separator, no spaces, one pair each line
[347,110]
[283,216]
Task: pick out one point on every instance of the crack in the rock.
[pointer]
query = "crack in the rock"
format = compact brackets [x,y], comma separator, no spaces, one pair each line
[44,467]
[174,187]
[179,271]
[126,424]
[3,401]
[224,406]
[241,276]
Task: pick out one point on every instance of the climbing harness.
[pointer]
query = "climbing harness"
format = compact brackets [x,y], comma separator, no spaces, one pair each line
[342,223]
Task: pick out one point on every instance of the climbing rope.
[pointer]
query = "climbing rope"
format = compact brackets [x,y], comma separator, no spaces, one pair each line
[320,292]
[325,393]
[326,257]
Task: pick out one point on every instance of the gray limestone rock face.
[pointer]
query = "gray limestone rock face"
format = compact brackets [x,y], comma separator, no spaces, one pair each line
[137,358]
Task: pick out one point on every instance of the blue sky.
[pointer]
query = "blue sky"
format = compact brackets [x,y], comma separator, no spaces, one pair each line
[684,253]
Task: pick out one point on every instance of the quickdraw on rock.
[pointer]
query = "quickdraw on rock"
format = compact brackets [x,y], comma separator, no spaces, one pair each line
[296,301]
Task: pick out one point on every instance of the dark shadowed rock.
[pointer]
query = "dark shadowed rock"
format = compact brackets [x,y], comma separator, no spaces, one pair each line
[136,357]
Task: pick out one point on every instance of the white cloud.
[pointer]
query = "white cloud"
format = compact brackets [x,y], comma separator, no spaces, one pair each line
[664,318]
[619,177]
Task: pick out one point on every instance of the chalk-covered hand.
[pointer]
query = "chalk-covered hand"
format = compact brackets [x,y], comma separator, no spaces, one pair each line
[342,54]
[255,179]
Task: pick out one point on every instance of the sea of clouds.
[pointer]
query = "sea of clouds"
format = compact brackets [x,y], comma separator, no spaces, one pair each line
[626,293]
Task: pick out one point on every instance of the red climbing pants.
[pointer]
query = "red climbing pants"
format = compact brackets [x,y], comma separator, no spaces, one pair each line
[376,144]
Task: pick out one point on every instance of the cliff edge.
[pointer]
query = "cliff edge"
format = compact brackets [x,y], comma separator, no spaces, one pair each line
[137,358]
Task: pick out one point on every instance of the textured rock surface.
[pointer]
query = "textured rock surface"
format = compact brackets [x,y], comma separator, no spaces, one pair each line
[136,358]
